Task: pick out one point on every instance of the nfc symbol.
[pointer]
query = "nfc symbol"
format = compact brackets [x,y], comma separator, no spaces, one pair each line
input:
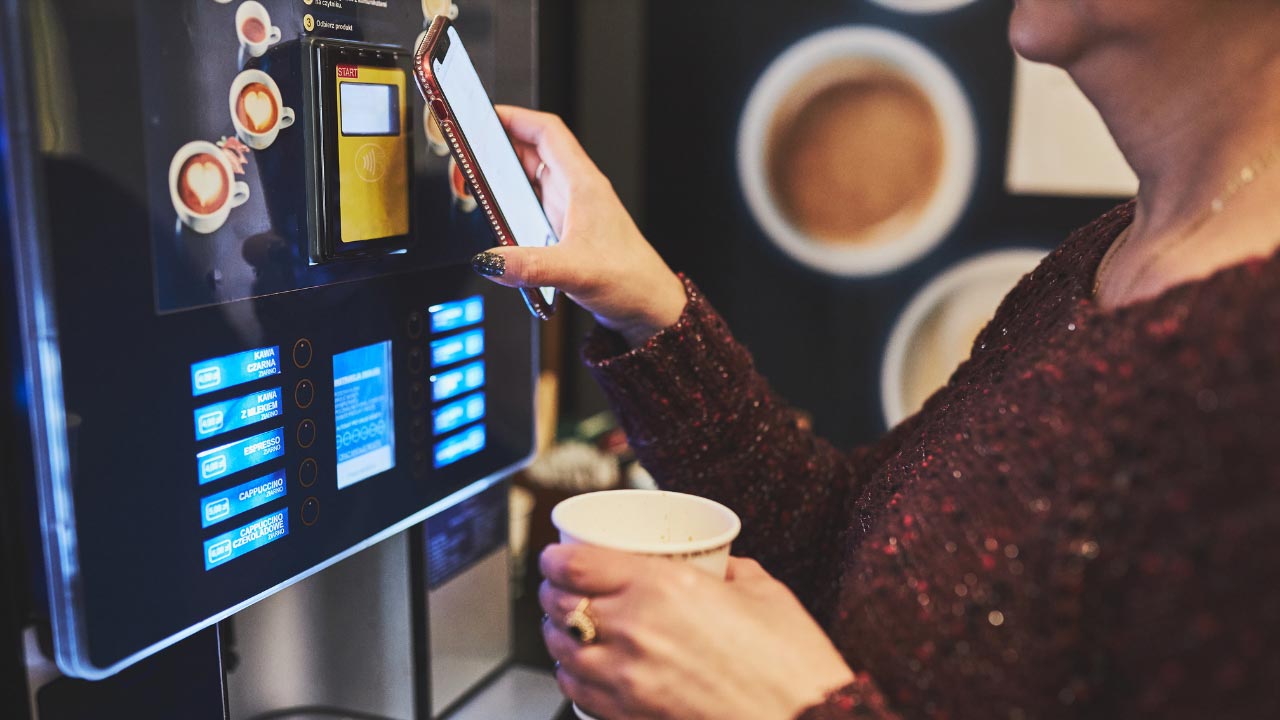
[371,163]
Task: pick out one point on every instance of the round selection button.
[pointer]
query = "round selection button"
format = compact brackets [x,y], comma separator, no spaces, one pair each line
[304,394]
[417,394]
[306,433]
[415,325]
[419,464]
[310,511]
[308,471]
[302,353]
[418,429]
[417,360]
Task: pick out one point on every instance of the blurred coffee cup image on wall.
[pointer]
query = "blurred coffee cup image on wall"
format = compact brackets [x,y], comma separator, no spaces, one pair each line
[857,151]
[937,330]
[923,7]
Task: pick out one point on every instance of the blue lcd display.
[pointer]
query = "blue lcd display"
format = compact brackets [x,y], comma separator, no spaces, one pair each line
[454,349]
[231,370]
[456,382]
[234,414]
[459,314]
[242,498]
[362,413]
[241,541]
[224,460]
[464,444]
[458,413]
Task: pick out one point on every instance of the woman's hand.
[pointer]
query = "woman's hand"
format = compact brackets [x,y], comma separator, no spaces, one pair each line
[602,261]
[675,642]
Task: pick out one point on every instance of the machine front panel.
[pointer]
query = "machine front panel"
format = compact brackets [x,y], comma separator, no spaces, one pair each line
[272,348]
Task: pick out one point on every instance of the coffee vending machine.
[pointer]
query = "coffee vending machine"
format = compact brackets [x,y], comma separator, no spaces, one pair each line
[260,409]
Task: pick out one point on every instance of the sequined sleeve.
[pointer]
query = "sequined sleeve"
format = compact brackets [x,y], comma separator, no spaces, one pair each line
[703,420]
[859,700]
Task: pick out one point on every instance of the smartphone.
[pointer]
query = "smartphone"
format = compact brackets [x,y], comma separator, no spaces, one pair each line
[470,125]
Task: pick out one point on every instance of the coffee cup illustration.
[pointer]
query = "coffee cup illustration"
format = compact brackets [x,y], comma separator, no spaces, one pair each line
[203,187]
[257,110]
[432,8]
[462,197]
[254,28]
[857,151]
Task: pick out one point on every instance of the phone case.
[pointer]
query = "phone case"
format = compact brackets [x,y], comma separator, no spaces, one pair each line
[429,86]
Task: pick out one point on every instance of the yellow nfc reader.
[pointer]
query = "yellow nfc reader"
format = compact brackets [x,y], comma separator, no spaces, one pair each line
[361,149]
[373,153]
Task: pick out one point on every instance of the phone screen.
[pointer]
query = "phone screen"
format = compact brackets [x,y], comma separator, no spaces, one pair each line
[475,116]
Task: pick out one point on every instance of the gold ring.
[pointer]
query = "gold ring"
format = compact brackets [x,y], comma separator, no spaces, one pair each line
[537,175]
[580,625]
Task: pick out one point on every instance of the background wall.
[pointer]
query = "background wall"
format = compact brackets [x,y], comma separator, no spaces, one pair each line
[656,92]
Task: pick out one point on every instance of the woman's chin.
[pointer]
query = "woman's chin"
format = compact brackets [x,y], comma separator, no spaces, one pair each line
[1045,32]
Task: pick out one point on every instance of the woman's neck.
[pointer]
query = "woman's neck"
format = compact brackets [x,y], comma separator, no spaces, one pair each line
[1189,110]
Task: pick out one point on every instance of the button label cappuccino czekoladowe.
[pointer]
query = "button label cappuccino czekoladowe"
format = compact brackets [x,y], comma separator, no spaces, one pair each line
[231,545]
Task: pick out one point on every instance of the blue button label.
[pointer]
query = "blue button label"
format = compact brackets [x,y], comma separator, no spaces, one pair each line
[462,445]
[456,382]
[242,498]
[233,457]
[454,349]
[231,545]
[234,414]
[458,413]
[454,315]
[211,375]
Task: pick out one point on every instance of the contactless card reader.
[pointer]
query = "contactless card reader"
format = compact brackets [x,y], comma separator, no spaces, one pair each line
[360,138]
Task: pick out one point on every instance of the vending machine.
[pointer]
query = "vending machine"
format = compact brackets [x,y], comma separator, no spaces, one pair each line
[243,346]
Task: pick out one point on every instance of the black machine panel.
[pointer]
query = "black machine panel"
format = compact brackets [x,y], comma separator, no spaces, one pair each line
[269,348]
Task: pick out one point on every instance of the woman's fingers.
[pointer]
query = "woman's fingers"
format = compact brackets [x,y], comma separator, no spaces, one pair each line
[593,699]
[588,662]
[548,134]
[529,160]
[557,603]
[587,570]
[515,266]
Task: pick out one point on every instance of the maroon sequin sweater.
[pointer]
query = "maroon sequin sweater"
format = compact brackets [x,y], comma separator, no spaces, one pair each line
[1080,524]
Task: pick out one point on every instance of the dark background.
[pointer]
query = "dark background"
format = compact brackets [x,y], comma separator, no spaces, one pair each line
[655,90]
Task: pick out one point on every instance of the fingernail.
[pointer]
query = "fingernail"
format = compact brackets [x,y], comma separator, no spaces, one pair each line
[545,618]
[489,264]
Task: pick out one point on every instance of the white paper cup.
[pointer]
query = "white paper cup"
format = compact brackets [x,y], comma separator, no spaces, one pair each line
[897,241]
[935,333]
[284,115]
[253,9]
[682,527]
[237,192]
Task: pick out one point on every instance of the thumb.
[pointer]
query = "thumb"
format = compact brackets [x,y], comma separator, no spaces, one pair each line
[525,267]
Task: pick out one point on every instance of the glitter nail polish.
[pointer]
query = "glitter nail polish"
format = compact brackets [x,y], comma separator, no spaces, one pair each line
[489,264]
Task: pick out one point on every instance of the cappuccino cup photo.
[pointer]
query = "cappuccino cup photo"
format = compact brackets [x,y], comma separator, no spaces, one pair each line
[257,110]
[202,186]
[254,28]
[857,151]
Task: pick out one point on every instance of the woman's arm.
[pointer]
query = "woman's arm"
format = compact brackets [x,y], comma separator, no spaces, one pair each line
[701,418]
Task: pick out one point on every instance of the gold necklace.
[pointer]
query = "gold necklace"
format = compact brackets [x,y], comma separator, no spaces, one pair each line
[1247,176]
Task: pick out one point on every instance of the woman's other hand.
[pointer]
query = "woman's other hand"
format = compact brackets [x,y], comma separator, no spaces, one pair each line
[675,642]
[603,261]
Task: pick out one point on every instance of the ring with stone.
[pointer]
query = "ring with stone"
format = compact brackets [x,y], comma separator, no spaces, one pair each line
[579,623]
